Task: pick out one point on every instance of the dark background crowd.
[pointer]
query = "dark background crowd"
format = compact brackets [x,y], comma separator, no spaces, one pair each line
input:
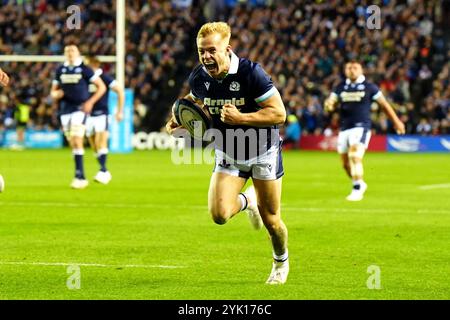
[303,45]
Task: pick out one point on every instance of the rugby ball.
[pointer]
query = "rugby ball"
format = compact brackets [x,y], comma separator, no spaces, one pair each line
[191,117]
[2,183]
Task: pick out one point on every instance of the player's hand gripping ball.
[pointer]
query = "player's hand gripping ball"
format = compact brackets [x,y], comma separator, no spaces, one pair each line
[191,117]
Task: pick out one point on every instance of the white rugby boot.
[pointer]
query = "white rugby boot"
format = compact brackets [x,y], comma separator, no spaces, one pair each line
[79,183]
[252,208]
[103,177]
[279,274]
[2,183]
[357,194]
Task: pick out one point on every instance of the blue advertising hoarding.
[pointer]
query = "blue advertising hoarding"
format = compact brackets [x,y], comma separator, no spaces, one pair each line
[121,133]
[40,139]
[414,143]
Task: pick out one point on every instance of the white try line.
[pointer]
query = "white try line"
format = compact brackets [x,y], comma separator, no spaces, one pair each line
[284,207]
[435,186]
[98,205]
[66,264]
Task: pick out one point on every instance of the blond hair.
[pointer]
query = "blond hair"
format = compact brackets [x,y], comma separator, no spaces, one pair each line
[92,61]
[221,28]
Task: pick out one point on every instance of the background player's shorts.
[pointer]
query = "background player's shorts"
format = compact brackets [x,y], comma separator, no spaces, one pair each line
[73,124]
[268,166]
[95,124]
[352,137]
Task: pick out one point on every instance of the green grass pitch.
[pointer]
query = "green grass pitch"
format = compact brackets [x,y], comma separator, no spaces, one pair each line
[154,214]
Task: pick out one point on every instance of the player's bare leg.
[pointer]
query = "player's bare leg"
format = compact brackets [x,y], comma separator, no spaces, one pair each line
[355,155]
[101,140]
[101,148]
[224,198]
[91,140]
[269,204]
[346,164]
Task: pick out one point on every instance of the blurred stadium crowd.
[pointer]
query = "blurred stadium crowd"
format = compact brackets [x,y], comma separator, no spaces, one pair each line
[301,44]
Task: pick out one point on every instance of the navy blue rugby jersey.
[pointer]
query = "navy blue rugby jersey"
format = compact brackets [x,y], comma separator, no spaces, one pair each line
[74,81]
[355,102]
[101,106]
[245,85]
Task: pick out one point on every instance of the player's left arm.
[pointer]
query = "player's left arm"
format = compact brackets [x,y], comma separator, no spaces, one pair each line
[120,100]
[398,124]
[272,112]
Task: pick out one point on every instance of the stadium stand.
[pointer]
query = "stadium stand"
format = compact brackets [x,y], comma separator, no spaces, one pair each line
[302,44]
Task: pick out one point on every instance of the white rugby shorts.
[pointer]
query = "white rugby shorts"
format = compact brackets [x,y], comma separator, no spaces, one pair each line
[268,166]
[73,124]
[96,124]
[353,136]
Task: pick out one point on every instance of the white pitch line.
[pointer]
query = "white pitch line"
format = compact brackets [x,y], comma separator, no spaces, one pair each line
[284,207]
[435,186]
[97,205]
[88,265]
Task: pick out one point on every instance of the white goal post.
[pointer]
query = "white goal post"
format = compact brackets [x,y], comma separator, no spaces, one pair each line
[118,59]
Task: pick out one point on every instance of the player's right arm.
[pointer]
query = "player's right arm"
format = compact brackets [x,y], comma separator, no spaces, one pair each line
[330,102]
[172,125]
[4,79]
[55,92]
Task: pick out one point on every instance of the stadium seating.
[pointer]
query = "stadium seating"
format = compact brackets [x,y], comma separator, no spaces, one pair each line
[302,44]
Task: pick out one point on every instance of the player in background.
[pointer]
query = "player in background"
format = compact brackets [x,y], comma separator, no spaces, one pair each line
[222,76]
[97,122]
[355,96]
[4,80]
[71,88]
[22,117]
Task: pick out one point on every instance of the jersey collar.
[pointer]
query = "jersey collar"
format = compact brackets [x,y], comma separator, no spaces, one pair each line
[234,64]
[360,79]
[77,63]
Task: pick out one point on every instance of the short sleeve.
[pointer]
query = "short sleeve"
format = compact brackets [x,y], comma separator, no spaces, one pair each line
[57,77]
[261,84]
[374,92]
[108,80]
[193,92]
[89,74]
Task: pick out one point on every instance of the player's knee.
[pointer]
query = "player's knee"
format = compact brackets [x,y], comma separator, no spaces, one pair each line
[273,227]
[271,220]
[220,215]
[219,220]
[76,144]
[356,154]
[346,166]
[355,158]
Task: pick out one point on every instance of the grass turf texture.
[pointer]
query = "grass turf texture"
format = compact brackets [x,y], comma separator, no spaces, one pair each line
[155,213]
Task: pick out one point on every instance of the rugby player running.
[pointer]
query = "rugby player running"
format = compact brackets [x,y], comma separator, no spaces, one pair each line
[356,96]
[241,97]
[71,88]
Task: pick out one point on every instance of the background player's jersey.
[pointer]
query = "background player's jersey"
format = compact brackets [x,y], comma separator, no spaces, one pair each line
[245,86]
[74,81]
[101,106]
[356,100]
